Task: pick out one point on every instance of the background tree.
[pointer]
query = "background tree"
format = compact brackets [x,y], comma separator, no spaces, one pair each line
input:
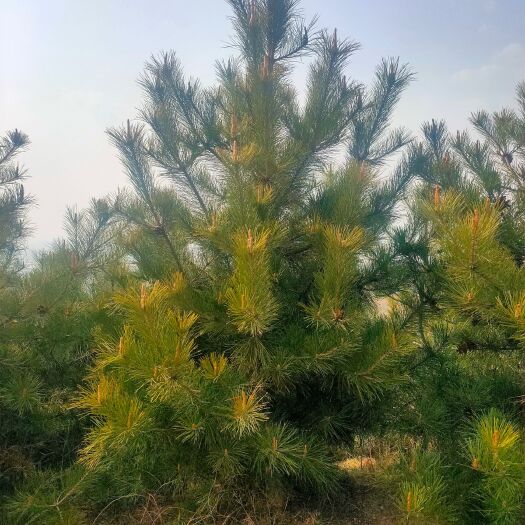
[13,201]
[47,315]
[462,248]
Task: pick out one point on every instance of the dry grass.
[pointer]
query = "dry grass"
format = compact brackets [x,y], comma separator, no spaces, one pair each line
[364,501]
[362,505]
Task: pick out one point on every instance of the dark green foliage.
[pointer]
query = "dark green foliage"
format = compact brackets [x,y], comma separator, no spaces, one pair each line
[47,317]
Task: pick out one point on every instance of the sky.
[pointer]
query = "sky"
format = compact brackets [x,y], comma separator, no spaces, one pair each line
[69,69]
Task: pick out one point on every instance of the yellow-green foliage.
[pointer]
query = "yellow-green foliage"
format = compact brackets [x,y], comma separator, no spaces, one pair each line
[274,285]
[496,450]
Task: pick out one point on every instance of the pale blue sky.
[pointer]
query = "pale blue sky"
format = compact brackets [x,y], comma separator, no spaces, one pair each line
[68,70]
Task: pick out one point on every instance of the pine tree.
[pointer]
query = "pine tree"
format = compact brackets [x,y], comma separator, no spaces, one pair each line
[462,248]
[253,346]
[47,315]
[13,201]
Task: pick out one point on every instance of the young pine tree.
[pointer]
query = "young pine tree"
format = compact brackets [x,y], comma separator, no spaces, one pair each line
[257,223]
[47,315]
[463,250]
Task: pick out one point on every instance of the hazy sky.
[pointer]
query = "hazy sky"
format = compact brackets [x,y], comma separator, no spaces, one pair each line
[68,70]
